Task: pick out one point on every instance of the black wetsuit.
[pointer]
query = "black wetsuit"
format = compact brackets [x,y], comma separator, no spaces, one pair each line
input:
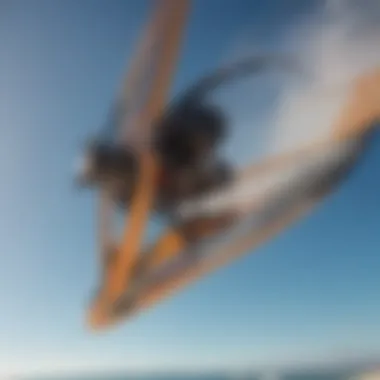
[186,143]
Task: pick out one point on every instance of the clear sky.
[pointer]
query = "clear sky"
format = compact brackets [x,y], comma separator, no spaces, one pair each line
[310,294]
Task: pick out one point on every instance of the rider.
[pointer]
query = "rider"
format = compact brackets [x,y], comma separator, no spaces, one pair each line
[186,142]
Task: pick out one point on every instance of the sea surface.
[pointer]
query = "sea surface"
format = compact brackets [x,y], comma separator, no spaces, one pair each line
[341,374]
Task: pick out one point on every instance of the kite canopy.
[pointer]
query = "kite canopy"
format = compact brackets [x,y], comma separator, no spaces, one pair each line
[283,167]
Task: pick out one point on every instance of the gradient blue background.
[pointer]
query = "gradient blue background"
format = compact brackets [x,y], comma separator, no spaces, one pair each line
[312,293]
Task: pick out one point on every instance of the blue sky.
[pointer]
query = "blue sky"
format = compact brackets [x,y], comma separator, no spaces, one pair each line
[310,294]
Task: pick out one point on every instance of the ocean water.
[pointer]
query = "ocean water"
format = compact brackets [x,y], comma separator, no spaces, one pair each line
[340,374]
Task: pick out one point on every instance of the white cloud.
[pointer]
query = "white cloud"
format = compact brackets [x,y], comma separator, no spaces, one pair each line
[335,46]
